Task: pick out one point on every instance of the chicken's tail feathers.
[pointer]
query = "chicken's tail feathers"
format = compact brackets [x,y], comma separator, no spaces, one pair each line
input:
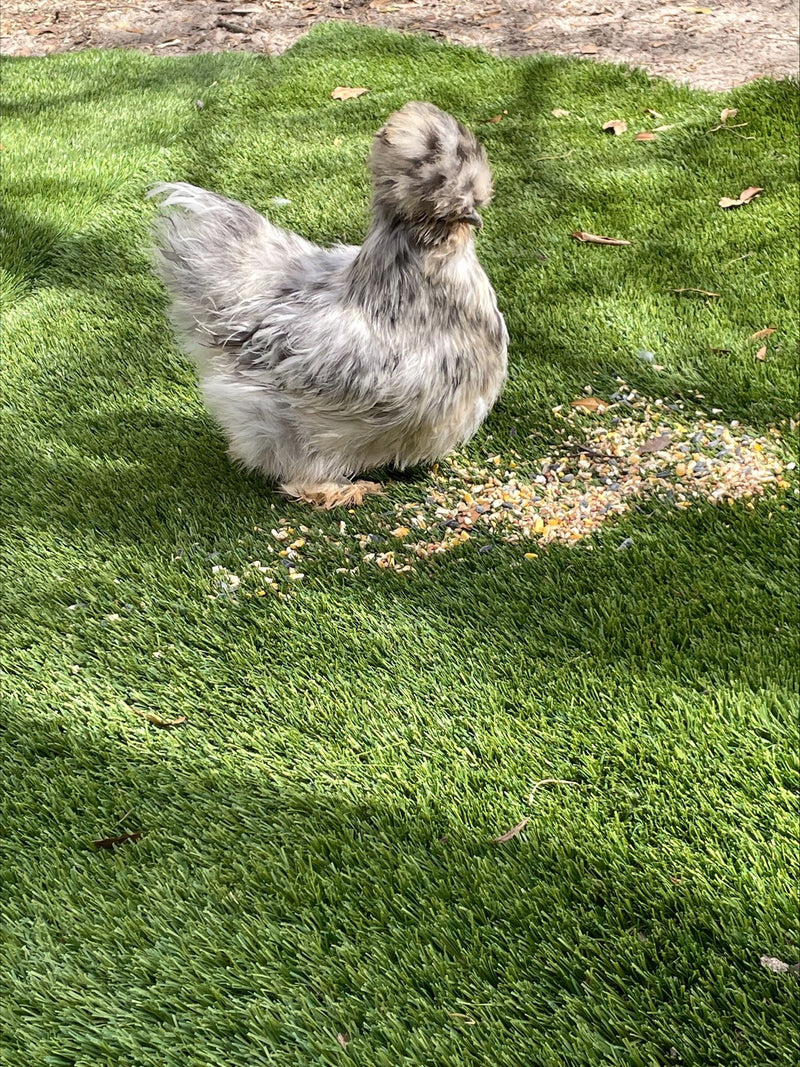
[201,235]
[215,209]
[216,257]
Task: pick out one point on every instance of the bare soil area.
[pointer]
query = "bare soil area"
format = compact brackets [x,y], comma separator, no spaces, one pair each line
[712,44]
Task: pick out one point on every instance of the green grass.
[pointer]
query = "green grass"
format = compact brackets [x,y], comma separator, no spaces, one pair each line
[318,855]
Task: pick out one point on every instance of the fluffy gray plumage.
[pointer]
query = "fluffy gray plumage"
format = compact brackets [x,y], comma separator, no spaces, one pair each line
[323,363]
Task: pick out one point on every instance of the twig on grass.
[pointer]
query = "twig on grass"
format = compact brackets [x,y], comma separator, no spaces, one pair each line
[703,292]
[549,781]
[584,450]
[723,126]
[520,826]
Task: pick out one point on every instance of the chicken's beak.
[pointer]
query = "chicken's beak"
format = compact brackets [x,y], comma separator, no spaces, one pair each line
[474,219]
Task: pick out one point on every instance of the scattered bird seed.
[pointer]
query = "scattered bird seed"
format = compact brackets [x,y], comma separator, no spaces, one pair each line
[614,453]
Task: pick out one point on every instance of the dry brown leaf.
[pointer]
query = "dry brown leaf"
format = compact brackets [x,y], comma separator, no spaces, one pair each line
[559,113]
[495,118]
[702,292]
[589,49]
[466,1019]
[513,831]
[591,403]
[344,92]
[156,720]
[115,842]
[728,113]
[655,444]
[645,135]
[653,114]
[615,126]
[596,239]
[746,195]
[762,333]
[761,354]
[343,1039]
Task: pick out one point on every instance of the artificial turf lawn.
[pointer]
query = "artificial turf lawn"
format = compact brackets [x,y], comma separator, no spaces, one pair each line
[318,857]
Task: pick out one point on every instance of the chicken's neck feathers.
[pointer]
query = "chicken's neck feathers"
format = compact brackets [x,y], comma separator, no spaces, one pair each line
[394,269]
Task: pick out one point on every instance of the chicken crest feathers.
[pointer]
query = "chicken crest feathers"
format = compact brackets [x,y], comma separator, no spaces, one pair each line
[428,170]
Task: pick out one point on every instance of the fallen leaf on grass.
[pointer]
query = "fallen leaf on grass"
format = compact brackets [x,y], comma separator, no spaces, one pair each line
[653,114]
[344,92]
[596,239]
[512,832]
[702,292]
[724,115]
[615,126]
[156,720]
[663,129]
[559,113]
[645,135]
[495,118]
[746,195]
[591,403]
[115,842]
[655,444]
[777,966]
[762,333]
[761,354]
[343,1039]
[467,1019]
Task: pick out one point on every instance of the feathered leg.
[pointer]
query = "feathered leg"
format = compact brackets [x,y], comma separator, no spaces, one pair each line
[332,494]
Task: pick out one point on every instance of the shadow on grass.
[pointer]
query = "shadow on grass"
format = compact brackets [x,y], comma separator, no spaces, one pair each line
[279,912]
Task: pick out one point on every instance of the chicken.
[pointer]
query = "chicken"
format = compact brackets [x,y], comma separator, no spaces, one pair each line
[321,364]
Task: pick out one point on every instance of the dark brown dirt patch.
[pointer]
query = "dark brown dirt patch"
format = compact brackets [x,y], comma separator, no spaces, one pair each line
[712,44]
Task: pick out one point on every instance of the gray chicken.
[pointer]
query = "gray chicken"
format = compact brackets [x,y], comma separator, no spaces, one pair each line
[323,363]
